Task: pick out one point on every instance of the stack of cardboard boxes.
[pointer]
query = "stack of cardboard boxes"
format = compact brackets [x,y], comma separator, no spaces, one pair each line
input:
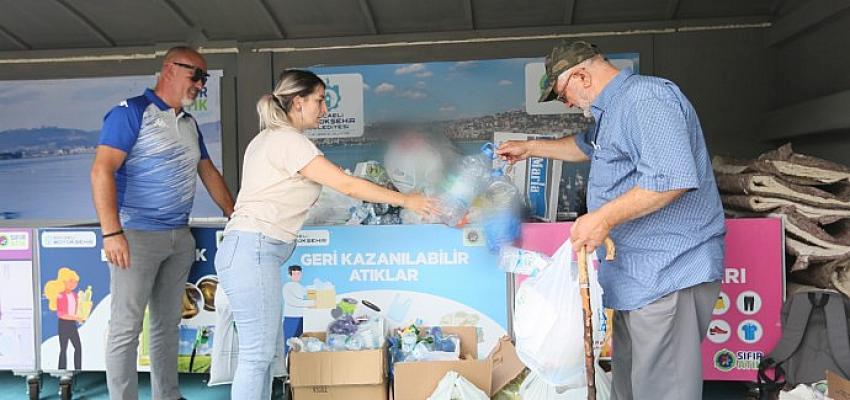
[362,374]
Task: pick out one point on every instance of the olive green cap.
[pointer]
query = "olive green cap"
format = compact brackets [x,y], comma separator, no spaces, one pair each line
[564,56]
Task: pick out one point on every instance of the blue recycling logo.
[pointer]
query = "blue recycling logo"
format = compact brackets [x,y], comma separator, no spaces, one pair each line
[332,96]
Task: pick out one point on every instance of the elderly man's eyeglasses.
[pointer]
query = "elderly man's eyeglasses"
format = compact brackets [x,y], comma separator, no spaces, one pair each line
[197,73]
[562,95]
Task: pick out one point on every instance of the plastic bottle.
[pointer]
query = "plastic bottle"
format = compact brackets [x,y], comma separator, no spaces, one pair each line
[408,341]
[464,184]
[524,262]
[502,217]
[359,214]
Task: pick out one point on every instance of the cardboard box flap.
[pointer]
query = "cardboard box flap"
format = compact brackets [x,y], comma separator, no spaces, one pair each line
[318,335]
[421,378]
[417,380]
[468,339]
[839,388]
[506,364]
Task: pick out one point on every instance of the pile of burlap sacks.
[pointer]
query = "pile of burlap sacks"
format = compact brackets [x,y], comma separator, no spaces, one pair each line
[812,196]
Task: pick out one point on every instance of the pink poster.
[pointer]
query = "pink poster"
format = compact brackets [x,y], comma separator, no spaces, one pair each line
[17,300]
[746,316]
[15,244]
[746,323]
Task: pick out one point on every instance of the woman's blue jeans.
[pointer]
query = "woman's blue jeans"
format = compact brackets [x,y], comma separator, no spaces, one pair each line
[248,265]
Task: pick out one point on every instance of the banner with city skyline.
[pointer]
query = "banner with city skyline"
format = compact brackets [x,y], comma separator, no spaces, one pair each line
[48,133]
[466,101]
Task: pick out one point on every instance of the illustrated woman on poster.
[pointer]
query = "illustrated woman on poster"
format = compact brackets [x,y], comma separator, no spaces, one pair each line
[70,309]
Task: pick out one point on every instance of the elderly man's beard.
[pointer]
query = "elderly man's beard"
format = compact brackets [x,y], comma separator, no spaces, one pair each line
[583,102]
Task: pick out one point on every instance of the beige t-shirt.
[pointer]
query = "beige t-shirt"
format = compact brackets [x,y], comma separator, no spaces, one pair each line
[274,197]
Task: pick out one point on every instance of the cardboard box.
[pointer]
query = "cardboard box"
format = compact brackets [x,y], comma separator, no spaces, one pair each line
[339,375]
[325,298]
[839,388]
[417,380]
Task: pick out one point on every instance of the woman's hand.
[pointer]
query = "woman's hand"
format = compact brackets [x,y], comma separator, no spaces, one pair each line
[424,206]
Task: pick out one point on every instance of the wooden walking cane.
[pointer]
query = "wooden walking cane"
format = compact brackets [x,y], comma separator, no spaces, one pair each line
[584,287]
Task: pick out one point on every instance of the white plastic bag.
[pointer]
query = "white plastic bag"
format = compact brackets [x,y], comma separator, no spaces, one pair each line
[225,346]
[453,386]
[520,261]
[533,387]
[548,320]
[225,350]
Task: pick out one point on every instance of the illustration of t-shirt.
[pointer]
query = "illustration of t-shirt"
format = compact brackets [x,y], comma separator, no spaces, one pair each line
[749,331]
[66,304]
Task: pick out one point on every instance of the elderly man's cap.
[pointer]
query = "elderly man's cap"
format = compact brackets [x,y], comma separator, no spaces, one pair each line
[564,56]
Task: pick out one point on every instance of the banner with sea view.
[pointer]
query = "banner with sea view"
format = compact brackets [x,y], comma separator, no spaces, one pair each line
[465,101]
[48,133]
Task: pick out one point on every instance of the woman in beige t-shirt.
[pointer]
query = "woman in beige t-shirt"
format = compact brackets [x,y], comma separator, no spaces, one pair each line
[283,173]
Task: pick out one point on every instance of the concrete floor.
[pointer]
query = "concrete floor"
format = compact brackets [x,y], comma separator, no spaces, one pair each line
[92,386]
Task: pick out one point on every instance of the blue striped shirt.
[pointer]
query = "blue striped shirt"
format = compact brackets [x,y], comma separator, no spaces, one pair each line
[647,135]
[156,184]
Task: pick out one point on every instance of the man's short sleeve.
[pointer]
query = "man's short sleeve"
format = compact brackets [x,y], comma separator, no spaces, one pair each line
[121,127]
[205,155]
[583,143]
[665,156]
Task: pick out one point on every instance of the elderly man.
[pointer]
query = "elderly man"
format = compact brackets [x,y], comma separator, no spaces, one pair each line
[143,183]
[651,188]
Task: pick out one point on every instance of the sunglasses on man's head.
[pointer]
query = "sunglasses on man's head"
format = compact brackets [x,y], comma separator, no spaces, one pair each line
[197,75]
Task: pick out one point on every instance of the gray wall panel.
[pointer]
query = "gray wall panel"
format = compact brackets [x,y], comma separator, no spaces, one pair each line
[813,64]
[255,77]
[726,75]
[809,66]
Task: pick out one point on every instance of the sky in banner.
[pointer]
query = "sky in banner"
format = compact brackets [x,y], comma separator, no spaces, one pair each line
[48,133]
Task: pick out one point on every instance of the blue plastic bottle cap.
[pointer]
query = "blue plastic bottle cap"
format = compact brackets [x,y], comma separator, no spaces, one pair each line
[489,149]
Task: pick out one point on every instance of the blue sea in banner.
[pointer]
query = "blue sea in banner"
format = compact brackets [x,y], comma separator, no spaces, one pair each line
[49,189]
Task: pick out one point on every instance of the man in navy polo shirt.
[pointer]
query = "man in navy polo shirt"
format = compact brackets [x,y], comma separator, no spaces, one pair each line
[143,184]
[651,188]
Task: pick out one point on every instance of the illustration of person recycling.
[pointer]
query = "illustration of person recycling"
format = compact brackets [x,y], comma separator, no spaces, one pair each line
[294,302]
[71,308]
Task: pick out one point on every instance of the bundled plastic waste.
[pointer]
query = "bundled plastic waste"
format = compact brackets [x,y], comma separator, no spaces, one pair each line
[374,214]
[502,215]
[345,332]
[417,162]
[367,213]
[372,171]
[332,208]
[414,344]
[468,179]
[477,190]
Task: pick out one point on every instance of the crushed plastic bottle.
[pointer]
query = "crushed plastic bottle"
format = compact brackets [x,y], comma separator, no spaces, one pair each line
[408,341]
[502,214]
[469,178]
